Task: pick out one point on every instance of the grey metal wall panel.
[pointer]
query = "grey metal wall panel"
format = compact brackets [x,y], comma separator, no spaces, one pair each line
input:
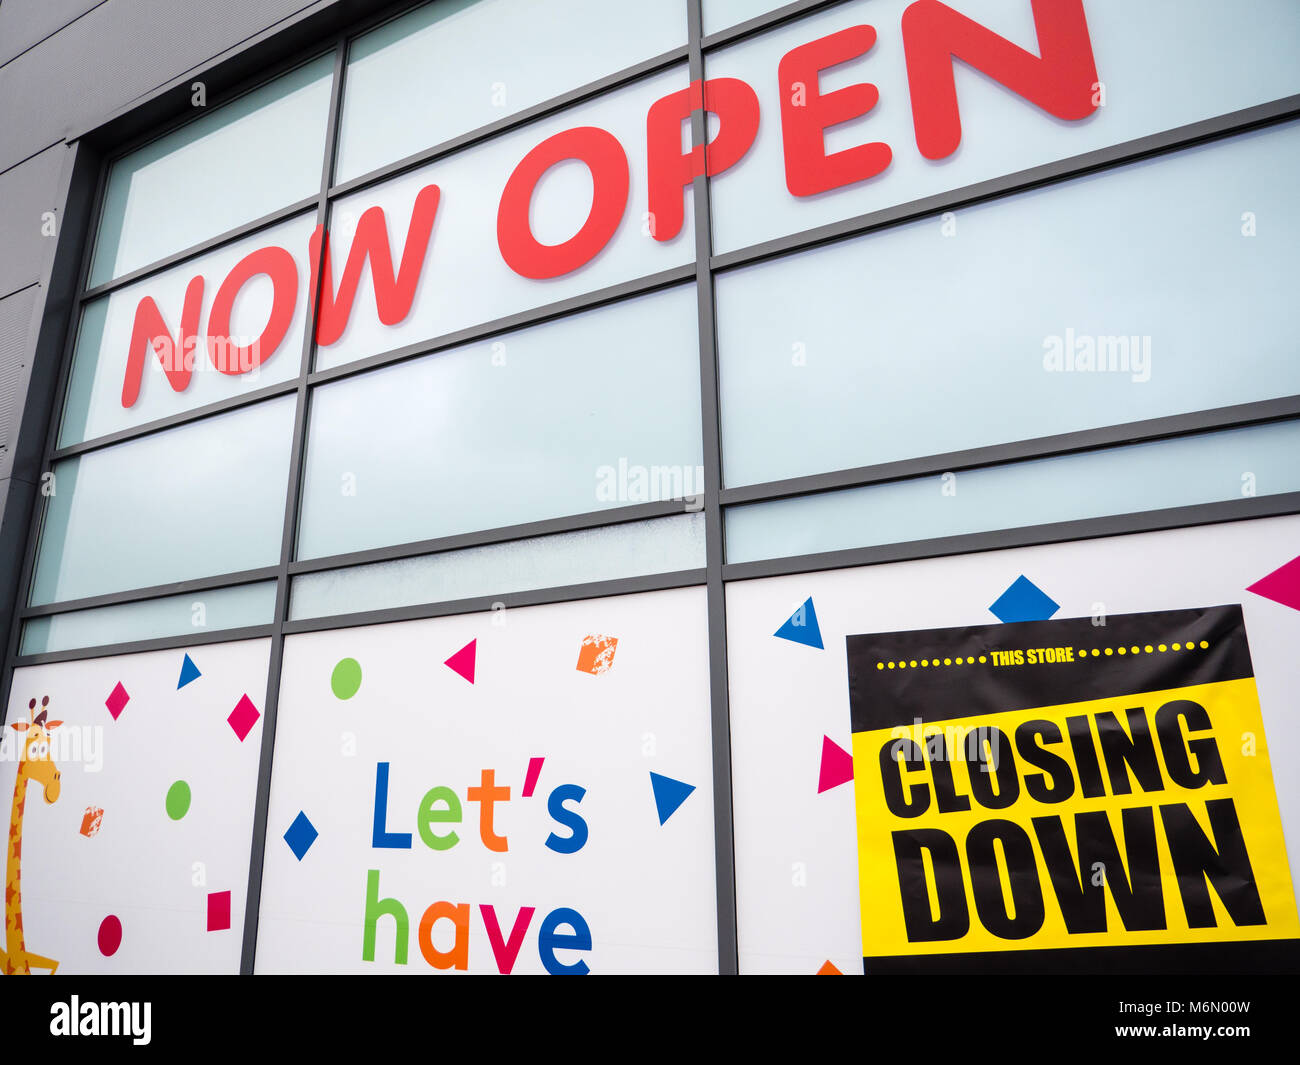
[24,23]
[27,192]
[15,327]
[118,52]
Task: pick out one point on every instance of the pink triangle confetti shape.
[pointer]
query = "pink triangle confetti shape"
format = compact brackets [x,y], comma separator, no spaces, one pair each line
[1282,585]
[462,662]
[837,766]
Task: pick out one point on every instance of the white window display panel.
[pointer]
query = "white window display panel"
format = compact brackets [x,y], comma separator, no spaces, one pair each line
[1163,64]
[595,696]
[137,862]
[797,863]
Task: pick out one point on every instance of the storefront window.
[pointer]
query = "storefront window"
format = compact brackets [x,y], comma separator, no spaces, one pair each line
[215,610]
[1180,472]
[122,378]
[245,160]
[1154,71]
[196,501]
[578,414]
[466,281]
[722,14]
[1155,289]
[606,553]
[455,65]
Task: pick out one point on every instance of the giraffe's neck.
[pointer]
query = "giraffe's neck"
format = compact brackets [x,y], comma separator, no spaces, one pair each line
[14,944]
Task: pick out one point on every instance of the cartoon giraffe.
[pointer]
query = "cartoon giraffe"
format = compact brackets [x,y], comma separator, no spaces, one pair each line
[35,764]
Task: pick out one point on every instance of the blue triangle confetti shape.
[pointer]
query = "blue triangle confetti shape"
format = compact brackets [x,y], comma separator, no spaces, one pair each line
[189,672]
[301,835]
[801,627]
[1024,601]
[669,794]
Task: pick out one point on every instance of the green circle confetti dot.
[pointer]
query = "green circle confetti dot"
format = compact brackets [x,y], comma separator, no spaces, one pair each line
[178,800]
[346,678]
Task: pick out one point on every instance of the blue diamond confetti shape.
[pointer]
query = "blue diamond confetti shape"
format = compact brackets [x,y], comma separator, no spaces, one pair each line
[1024,601]
[301,835]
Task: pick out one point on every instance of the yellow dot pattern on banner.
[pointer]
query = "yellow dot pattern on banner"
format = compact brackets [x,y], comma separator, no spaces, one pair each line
[1082,652]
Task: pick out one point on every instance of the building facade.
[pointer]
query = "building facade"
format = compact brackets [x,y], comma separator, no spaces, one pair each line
[686,486]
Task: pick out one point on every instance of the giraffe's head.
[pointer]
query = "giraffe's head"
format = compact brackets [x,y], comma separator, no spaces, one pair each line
[36,762]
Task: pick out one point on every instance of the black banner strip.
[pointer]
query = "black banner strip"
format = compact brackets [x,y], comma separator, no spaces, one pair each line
[941,674]
[1268,957]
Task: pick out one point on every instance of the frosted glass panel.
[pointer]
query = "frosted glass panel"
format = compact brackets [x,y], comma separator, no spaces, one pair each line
[100,366]
[1164,63]
[175,615]
[465,280]
[721,14]
[453,66]
[1183,471]
[240,162]
[203,499]
[663,545]
[916,341]
[596,410]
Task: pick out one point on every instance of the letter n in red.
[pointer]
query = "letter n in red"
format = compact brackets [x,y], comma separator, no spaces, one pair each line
[151,332]
[1062,80]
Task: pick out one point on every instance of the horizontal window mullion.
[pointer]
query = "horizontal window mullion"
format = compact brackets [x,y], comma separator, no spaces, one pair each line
[283,214]
[762,23]
[162,424]
[511,600]
[547,108]
[1026,536]
[518,320]
[157,591]
[164,643]
[570,523]
[1018,451]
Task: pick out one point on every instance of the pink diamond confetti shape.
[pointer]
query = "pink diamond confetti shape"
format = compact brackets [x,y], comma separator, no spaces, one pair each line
[117,700]
[218,911]
[243,717]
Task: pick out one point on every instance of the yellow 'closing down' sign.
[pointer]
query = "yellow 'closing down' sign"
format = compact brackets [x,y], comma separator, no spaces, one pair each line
[1056,786]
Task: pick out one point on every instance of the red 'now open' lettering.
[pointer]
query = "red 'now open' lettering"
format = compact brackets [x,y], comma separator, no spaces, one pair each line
[1061,81]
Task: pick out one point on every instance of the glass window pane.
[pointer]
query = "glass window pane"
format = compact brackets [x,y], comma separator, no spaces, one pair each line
[240,162]
[634,549]
[465,280]
[1163,64]
[722,14]
[196,501]
[451,67]
[174,615]
[102,368]
[578,414]
[922,340]
[1178,472]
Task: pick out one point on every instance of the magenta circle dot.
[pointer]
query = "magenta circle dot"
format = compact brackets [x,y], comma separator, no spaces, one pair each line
[110,936]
